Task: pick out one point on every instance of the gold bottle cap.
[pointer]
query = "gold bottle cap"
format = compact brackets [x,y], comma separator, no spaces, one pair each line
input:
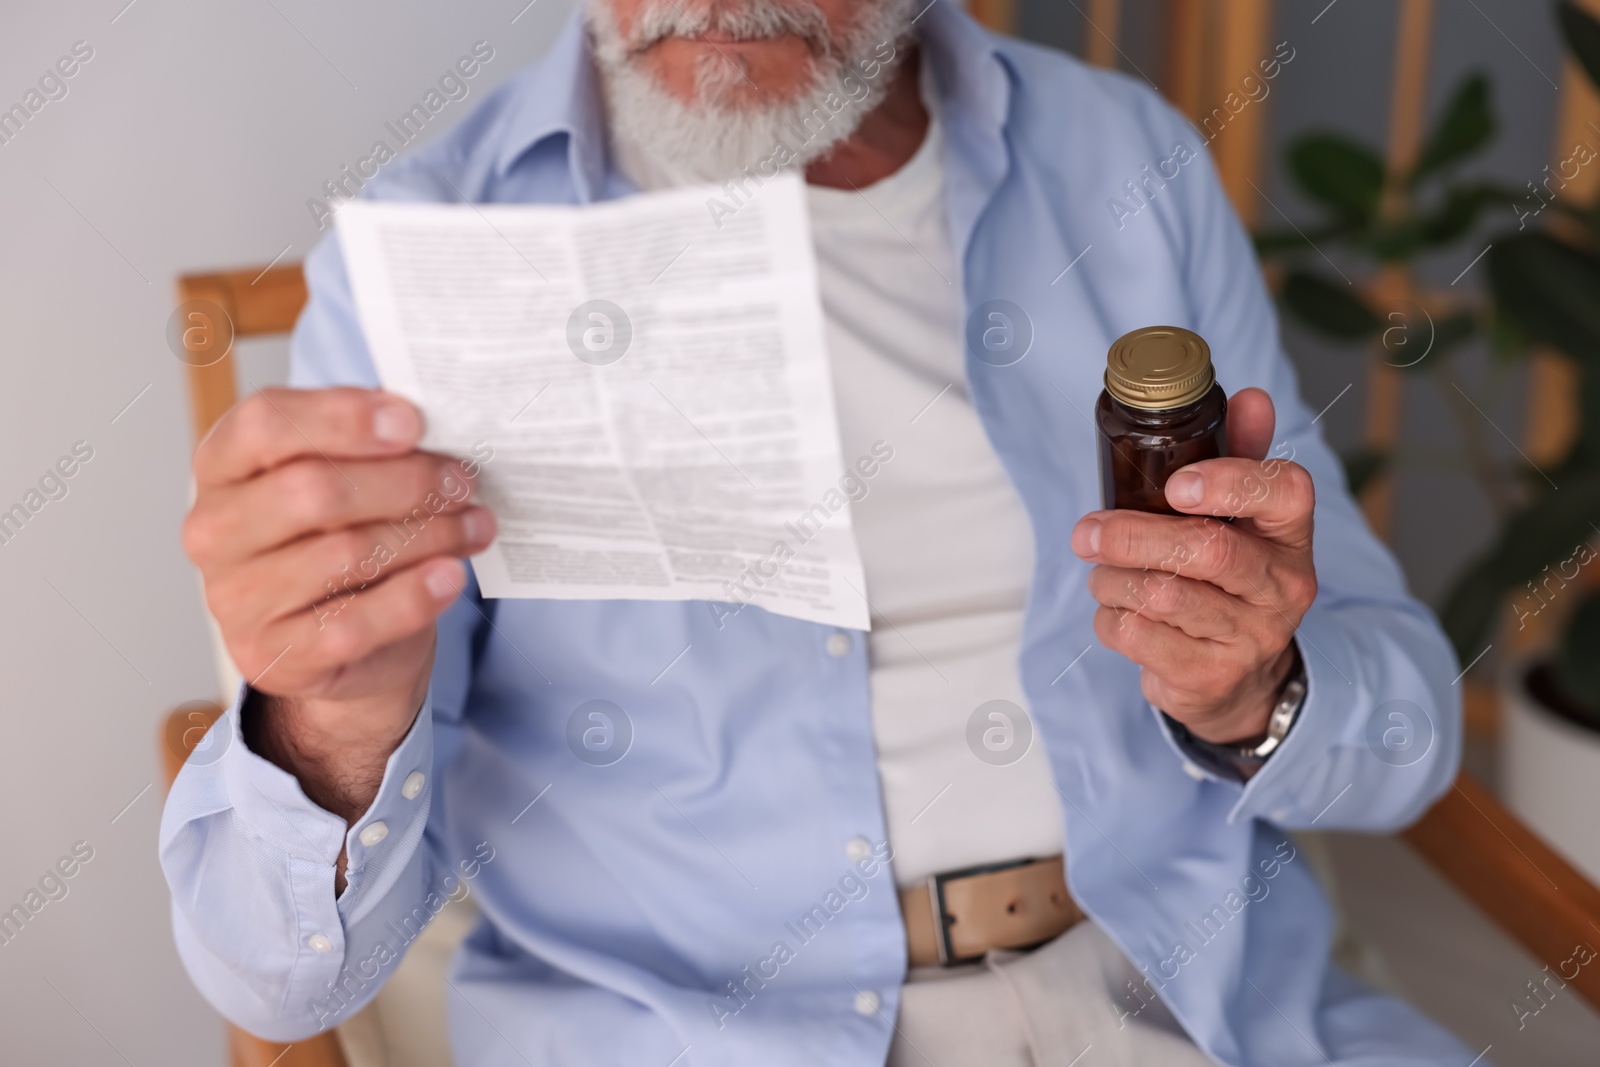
[1158,368]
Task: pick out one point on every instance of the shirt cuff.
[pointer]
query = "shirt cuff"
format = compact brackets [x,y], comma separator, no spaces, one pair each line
[381,843]
[1289,786]
[271,803]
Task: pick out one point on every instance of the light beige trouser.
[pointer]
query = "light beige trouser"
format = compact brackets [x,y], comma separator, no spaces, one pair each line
[1043,1008]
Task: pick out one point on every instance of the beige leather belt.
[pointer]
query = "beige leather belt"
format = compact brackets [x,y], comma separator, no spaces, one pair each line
[958,916]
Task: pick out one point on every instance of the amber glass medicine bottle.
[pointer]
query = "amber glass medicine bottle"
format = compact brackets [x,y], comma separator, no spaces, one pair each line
[1161,410]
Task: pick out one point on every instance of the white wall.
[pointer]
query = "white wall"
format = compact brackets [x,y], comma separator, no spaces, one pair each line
[191,140]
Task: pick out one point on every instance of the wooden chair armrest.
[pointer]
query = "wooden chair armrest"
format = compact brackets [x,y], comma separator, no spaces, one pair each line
[184,728]
[232,304]
[1520,882]
[247,1050]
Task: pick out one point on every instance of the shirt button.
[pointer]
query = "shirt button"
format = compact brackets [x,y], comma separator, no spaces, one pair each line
[839,644]
[319,943]
[374,833]
[1194,772]
[867,1002]
[857,849]
[413,785]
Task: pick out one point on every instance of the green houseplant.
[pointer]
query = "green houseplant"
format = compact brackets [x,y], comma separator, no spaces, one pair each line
[1543,290]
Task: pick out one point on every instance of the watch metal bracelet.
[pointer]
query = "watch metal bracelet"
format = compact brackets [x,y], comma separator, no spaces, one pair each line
[1238,761]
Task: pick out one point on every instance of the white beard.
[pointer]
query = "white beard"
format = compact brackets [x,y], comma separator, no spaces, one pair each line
[714,140]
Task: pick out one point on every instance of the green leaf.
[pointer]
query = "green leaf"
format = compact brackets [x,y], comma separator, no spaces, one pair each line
[1270,244]
[1273,243]
[1578,655]
[1337,173]
[1472,606]
[1445,224]
[1582,33]
[1467,125]
[1585,454]
[1457,214]
[1395,242]
[1545,533]
[1550,291]
[1362,465]
[1508,343]
[1329,308]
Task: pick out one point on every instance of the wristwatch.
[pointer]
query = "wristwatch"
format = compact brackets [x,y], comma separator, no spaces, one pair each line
[1238,761]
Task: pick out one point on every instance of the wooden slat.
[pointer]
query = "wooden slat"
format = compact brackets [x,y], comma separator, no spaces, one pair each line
[1408,96]
[248,1050]
[998,15]
[213,385]
[1183,79]
[261,302]
[1242,29]
[1520,882]
[182,731]
[251,303]
[1102,29]
[1480,708]
[1394,287]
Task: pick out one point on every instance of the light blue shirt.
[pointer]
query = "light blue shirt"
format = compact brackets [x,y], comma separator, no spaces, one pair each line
[705,872]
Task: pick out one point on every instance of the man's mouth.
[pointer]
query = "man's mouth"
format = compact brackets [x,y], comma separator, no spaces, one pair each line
[716,37]
[750,23]
[724,37]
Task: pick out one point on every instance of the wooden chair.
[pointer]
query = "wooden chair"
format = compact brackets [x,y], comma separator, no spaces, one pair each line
[1520,883]
[220,308]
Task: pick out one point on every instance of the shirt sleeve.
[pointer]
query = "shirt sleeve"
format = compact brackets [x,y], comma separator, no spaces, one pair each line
[1378,737]
[249,858]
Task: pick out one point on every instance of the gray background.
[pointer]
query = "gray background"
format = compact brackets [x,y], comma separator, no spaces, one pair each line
[192,140]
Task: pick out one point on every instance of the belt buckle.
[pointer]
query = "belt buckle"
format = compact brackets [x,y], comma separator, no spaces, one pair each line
[942,920]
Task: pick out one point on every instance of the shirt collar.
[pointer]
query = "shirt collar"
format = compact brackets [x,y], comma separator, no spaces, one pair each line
[970,73]
[560,95]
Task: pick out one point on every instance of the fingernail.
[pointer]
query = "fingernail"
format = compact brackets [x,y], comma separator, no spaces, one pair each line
[1185,489]
[478,526]
[444,580]
[396,424]
[1086,537]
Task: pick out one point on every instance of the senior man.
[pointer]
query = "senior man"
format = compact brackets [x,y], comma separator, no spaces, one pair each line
[786,843]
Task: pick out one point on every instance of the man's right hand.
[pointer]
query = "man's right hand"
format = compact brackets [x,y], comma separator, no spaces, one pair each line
[329,545]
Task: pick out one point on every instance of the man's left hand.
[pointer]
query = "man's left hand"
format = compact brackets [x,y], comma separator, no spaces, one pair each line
[1209,608]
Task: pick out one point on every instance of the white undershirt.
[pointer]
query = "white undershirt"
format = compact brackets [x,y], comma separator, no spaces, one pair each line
[943,535]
